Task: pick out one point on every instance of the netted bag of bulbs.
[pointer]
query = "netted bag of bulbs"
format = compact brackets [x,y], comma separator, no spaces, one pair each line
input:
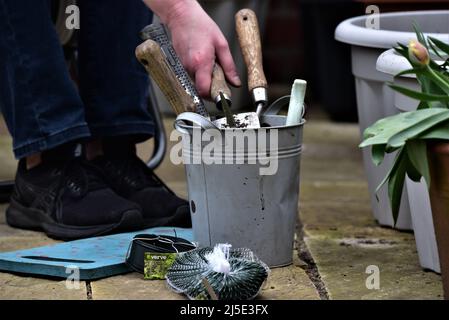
[218,273]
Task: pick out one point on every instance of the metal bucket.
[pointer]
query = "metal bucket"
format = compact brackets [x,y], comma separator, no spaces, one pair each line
[235,203]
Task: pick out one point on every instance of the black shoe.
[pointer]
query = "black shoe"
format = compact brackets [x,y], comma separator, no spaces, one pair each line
[68,199]
[129,176]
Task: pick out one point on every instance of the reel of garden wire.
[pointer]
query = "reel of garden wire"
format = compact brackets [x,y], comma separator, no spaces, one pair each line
[151,243]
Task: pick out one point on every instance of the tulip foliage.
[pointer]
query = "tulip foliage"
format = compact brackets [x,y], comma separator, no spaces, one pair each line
[408,133]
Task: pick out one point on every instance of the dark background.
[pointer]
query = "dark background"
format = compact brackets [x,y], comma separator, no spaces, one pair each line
[299,43]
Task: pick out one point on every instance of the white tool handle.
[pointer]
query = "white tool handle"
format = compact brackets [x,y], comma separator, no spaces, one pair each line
[296,109]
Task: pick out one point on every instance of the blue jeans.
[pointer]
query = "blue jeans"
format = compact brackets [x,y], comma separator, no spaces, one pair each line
[40,103]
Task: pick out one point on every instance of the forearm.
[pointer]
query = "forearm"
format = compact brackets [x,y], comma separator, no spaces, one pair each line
[167,10]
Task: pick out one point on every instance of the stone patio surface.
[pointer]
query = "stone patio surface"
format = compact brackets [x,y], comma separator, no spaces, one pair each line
[337,239]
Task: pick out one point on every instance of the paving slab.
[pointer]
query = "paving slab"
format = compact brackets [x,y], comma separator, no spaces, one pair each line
[346,264]
[340,231]
[14,287]
[12,239]
[8,233]
[3,128]
[132,287]
[289,283]
[7,161]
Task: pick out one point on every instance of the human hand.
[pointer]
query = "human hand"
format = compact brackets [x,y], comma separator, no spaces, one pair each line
[199,43]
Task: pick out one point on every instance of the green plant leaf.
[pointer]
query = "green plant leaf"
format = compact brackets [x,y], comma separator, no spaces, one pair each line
[445,76]
[415,71]
[429,86]
[419,34]
[442,75]
[440,45]
[440,131]
[396,185]
[391,171]
[378,153]
[381,131]
[417,154]
[435,50]
[439,78]
[412,173]
[423,105]
[411,170]
[436,66]
[399,139]
[421,96]
[402,50]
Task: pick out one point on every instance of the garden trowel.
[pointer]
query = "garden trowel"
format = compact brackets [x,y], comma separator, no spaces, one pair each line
[249,38]
[221,94]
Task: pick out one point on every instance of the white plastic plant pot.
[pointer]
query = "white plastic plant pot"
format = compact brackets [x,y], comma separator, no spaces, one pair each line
[375,100]
[392,63]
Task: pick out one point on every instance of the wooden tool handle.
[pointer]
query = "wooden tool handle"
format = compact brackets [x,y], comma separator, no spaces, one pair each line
[219,84]
[249,37]
[150,55]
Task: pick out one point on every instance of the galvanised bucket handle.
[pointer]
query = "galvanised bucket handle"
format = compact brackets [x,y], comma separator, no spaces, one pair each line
[196,119]
[280,103]
[205,123]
